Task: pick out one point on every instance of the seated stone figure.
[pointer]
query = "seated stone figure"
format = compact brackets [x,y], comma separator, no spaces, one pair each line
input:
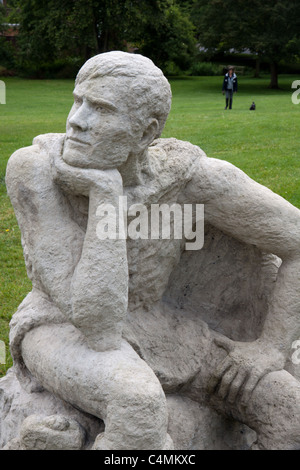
[118,328]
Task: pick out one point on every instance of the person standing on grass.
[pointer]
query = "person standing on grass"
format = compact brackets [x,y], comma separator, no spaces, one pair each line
[229,86]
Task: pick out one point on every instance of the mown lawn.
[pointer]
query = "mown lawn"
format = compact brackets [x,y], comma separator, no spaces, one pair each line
[264,143]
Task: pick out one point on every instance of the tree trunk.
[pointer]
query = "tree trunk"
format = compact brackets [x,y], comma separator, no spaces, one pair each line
[257,68]
[87,53]
[274,75]
[97,33]
[104,41]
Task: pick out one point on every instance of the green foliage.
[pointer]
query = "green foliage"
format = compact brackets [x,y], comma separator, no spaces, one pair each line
[267,27]
[271,28]
[2,16]
[7,54]
[7,51]
[164,30]
[59,68]
[165,34]
[206,69]
[4,56]
[51,30]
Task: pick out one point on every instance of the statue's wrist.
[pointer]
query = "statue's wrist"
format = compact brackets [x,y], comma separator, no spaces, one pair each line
[99,195]
[268,344]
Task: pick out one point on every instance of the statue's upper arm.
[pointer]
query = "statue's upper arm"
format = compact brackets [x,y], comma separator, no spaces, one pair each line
[22,166]
[244,209]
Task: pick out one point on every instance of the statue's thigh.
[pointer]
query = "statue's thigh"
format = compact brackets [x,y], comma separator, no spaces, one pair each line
[59,358]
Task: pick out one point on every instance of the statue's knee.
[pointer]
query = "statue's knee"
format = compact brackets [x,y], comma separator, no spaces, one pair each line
[142,399]
[277,423]
[137,418]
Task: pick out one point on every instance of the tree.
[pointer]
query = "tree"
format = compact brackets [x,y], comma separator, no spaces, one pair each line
[163,31]
[6,47]
[2,17]
[51,29]
[270,29]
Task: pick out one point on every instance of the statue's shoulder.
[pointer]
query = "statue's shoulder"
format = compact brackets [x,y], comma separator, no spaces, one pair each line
[175,156]
[181,147]
[175,148]
[33,159]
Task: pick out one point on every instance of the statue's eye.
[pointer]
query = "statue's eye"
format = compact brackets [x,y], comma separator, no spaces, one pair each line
[102,108]
[78,101]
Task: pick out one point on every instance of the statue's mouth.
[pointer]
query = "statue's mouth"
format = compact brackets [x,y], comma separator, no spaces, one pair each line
[75,139]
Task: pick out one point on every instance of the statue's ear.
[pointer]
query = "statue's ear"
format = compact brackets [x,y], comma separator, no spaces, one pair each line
[149,133]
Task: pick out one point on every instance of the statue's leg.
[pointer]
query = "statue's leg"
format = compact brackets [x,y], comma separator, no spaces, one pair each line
[116,386]
[273,410]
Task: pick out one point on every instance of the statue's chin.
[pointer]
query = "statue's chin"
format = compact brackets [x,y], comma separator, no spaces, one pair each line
[73,159]
[86,156]
[80,161]
[75,155]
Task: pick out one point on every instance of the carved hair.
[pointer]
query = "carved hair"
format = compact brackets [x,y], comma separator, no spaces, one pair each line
[147,87]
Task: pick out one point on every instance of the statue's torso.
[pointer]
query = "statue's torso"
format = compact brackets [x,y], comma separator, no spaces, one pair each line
[151,261]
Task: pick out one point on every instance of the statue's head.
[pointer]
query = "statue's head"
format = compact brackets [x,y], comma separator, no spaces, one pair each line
[121,104]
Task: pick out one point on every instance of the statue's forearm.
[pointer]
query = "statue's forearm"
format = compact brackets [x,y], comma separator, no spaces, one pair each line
[100,282]
[282,325]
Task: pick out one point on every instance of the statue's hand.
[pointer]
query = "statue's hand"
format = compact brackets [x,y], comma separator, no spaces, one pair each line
[80,181]
[241,370]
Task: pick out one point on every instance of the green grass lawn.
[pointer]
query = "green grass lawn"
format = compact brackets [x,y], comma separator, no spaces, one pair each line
[264,143]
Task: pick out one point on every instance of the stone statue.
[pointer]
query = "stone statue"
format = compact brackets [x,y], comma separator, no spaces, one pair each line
[140,343]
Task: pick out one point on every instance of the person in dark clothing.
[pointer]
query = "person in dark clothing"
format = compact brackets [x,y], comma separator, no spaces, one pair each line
[230,86]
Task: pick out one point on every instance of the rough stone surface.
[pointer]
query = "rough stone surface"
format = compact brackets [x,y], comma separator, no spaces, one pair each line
[51,433]
[142,342]
[17,406]
[197,427]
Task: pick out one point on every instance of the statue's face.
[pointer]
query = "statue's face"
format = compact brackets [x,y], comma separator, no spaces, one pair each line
[99,131]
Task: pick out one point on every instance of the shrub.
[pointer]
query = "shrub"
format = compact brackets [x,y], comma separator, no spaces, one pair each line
[206,69]
[7,54]
[59,68]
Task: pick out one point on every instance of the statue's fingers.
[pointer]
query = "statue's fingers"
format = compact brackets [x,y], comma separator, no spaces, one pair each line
[250,385]
[58,166]
[218,373]
[113,176]
[55,156]
[237,385]
[227,379]
[224,343]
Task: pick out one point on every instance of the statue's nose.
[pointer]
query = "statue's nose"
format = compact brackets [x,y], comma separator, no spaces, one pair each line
[80,118]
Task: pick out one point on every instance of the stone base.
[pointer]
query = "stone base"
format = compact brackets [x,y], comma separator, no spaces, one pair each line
[16,405]
[43,422]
